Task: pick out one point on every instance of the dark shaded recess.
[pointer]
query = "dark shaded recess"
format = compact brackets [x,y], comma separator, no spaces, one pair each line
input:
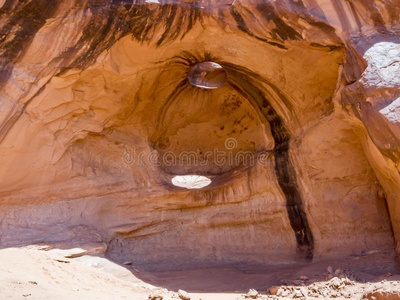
[24,22]
[249,84]
[353,67]
[325,27]
[330,48]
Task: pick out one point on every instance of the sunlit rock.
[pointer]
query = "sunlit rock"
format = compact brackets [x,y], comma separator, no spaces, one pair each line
[289,107]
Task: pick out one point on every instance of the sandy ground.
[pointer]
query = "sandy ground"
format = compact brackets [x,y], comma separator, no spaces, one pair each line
[31,273]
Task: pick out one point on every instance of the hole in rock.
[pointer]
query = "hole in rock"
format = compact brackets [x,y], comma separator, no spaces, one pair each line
[191,182]
[207,75]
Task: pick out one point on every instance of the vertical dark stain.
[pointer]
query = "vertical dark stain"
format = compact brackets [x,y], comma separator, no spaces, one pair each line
[102,30]
[23,24]
[282,30]
[246,81]
[375,15]
[341,13]
[170,99]
[24,21]
[393,8]
[241,25]
[114,20]
[313,6]
[390,217]
[170,17]
[15,113]
[355,14]
[12,5]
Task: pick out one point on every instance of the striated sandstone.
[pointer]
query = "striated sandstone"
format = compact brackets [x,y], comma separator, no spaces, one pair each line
[97,115]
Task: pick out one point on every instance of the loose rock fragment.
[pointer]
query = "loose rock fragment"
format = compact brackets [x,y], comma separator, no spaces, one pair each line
[253,294]
[156,296]
[304,278]
[273,290]
[298,293]
[183,295]
[382,295]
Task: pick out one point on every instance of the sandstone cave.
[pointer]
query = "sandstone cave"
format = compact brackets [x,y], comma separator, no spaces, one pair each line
[200,149]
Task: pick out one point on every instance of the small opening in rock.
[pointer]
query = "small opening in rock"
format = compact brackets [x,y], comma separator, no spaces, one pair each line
[191,182]
[207,75]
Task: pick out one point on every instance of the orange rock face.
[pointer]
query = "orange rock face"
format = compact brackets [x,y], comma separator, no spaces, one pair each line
[290,108]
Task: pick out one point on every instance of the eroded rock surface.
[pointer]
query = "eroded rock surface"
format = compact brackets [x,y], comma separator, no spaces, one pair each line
[290,108]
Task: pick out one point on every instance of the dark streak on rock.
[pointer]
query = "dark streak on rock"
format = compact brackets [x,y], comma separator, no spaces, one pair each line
[355,14]
[282,30]
[330,48]
[113,19]
[375,15]
[142,21]
[245,81]
[16,112]
[26,19]
[241,25]
[340,12]
[184,84]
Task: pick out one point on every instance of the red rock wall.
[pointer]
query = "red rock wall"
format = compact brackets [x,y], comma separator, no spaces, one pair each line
[94,94]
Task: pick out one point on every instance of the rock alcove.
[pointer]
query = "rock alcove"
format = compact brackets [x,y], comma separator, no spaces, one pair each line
[289,110]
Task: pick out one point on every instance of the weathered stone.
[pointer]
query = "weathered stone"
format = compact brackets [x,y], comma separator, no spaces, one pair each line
[253,294]
[273,290]
[289,110]
[183,295]
[156,296]
[304,278]
[382,295]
